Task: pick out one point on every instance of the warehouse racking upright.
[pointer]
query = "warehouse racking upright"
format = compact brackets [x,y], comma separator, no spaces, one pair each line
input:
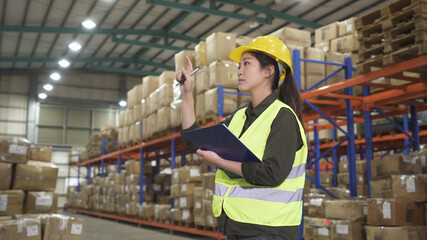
[332,110]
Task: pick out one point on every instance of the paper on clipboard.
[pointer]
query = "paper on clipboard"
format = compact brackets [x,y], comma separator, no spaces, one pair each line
[221,140]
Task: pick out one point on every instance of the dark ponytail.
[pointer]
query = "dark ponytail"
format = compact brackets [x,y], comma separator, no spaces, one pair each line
[287,92]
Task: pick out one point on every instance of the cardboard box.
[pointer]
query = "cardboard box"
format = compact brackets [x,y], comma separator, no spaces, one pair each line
[165,96]
[395,164]
[14,150]
[324,46]
[163,119]
[35,176]
[327,179]
[186,201]
[207,207]
[347,27]
[223,72]
[317,228]
[211,221]
[360,167]
[151,125]
[5,175]
[198,192]
[153,102]
[345,44]
[336,58]
[200,53]
[180,61]
[393,212]
[167,77]
[243,41]
[343,179]
[11,202]
[355,210]
[137,112]
[346,230]
[176,118]
[339,192]
[314,72]
[293,36]
[41,153]
[176,214]
[198,206]
[211,102]
[208,180]
[187,189]
[406,187]
[422,157]
[149,85]
[147,211]
[326,33]
[199,218]
[202,80]
[187,215]
[41,202]
[395,233]
[219,45]
[190,174]
[200,106]
[316,207]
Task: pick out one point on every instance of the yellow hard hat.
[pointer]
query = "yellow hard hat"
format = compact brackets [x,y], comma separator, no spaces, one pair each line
[269,45]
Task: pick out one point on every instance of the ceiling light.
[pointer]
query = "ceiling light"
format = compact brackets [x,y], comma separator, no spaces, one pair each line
[123,103]
[64,63]
[253,23]
[55,76]
[89,24]
[48,87]
[42,95]
[75,46]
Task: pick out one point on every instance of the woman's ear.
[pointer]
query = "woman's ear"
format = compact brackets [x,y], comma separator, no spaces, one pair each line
[269,71]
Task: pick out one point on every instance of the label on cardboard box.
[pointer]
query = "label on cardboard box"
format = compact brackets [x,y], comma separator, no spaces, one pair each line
[16,149]
[410,185]
[360,178]
[184,188]
[349,27]
[198,205]
[194,173]
[316,202]
[63,223]
[76,228]
[423,161]
[185,214]
[3,203]
[409,159]
[183,202]
[323,231]
[365,210]
[386,210]
[342,229]
[44,201]
[32,231]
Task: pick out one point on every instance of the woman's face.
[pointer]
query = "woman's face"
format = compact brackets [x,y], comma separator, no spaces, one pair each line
[250,74]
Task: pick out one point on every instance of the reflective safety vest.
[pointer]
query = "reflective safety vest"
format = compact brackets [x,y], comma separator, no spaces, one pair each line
[269,206]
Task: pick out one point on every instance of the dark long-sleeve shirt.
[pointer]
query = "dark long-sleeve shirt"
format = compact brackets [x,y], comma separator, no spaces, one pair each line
[282,144]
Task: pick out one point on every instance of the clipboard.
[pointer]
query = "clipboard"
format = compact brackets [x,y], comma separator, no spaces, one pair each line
[219,139]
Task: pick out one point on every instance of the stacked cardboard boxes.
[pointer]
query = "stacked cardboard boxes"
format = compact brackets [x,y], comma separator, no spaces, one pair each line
[94,146]
[399,194]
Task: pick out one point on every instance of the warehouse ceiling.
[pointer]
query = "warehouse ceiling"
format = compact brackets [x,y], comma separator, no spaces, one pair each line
[141,37]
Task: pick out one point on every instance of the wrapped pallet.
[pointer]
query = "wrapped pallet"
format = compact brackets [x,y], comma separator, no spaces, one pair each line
[122,118]
[211,102]
[137,112]
[223,72]
[180,61]
[176,118]
[14,150]
[167,77]
[200,106]
[163,119]
[134,95]
[149,85]
[293,36]
[153,102]
[200,53]
[202,79]
[165,95]
[219,45]
[144,109]
[151,124]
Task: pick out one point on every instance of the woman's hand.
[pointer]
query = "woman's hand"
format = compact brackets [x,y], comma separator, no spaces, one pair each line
[214,159]
[188,84]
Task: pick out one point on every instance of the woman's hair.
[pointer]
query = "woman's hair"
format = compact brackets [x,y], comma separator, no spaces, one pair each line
[288,91]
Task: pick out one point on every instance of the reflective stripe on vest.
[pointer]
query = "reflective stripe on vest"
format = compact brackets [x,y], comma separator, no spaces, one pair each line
[269,206]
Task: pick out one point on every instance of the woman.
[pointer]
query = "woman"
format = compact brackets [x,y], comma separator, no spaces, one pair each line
[265,200]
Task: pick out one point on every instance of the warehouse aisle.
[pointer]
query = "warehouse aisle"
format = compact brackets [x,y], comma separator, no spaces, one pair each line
[103,229]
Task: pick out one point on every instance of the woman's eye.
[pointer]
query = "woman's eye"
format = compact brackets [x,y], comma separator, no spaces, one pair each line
[246,63]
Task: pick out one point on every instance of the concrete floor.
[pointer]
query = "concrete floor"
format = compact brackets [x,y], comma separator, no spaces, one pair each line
[97,229]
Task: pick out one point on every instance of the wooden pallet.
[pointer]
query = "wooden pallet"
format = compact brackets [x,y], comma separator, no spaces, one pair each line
[164,221]
[407,53]
[412,15]
[373,40]
[408,28]
[373,18]
[183,224]
[374,28]
[397,7]
[407,40]
[375,51]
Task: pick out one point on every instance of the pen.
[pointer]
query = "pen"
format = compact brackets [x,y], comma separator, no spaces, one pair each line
[191,74]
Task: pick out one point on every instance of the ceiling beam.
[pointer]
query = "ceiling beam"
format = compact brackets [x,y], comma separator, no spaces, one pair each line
[270,12]
[88,60]
[209,11]
[122,70]
[147,44]
[65,30]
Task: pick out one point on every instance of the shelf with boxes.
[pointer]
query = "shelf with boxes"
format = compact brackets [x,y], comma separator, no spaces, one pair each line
[28,204]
